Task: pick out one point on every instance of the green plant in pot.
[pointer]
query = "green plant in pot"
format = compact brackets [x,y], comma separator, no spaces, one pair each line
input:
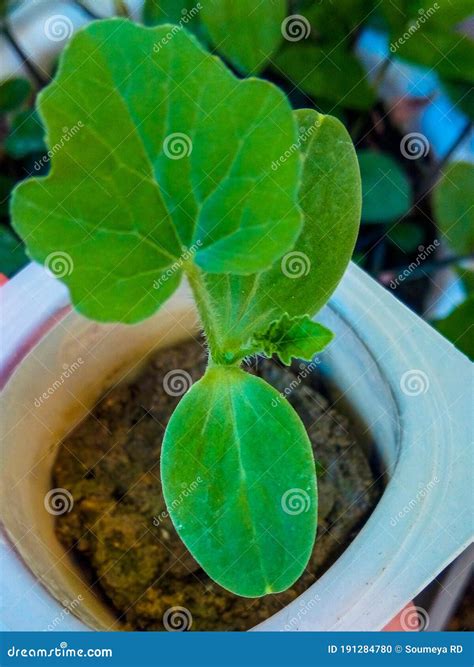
[179,171]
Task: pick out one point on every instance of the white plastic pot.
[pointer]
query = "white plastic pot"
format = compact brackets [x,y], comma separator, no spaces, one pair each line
[408,385]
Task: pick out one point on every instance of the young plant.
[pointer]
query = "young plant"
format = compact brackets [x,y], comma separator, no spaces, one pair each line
[180,169]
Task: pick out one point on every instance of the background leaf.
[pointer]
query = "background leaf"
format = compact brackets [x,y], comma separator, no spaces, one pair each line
[457,327]
[26,135]
[246,32]
[449,53]
[331,73]
[184,13]
[12,252]
[443,15]
[466,273]
[337,23]
[250,455]
[406,235]
[453,204]
[186,162]
[386,191]
[461,95]
[7,183]
[165,11]
[13,93]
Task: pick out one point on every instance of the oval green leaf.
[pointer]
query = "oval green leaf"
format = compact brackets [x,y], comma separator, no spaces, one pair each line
[304,279]
[239,482]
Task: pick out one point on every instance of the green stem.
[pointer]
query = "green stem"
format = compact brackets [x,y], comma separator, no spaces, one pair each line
[218,355]
[205,309]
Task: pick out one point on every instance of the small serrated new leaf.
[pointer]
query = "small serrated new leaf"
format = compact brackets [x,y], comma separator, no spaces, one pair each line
[297,337]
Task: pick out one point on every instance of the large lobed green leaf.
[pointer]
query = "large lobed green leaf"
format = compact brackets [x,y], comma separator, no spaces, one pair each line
[239,481]
[304,279]
[117,200]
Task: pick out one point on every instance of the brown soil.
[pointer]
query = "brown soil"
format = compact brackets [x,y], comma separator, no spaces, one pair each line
[110,464]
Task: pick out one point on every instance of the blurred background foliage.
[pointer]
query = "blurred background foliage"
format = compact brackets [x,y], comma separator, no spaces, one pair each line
[412,196]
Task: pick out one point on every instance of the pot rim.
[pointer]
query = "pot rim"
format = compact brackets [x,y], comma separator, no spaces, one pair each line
[394,562]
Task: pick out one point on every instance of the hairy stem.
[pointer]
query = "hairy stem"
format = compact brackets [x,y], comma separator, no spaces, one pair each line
[207,315]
